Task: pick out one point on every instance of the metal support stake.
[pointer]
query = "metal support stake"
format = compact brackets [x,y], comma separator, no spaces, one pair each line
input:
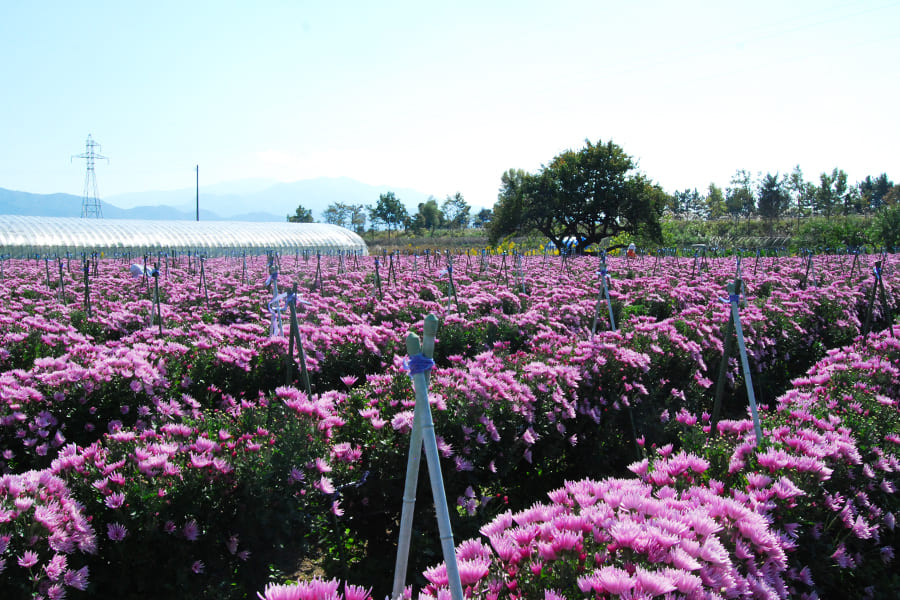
[748,380]
[62,283]
[156,296]
[85,267]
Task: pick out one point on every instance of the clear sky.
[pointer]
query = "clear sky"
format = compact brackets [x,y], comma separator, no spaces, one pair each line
[442,96]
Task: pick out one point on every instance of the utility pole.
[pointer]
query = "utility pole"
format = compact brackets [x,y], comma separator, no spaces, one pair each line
[90,203]
[197,168]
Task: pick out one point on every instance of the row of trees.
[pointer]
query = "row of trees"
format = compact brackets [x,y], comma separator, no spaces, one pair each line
[775,196]
[389,213]
[592,194]
[595,193]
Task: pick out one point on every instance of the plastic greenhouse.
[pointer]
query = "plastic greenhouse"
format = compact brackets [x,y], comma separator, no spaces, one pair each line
[47,236]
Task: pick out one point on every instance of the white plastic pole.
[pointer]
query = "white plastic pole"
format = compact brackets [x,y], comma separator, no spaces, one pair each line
[423,434]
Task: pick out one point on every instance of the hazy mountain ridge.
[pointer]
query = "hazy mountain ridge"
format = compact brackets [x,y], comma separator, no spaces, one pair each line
[66,205]
[276,198]
[246,200]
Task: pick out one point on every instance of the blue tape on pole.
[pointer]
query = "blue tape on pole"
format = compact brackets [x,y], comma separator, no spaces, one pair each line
[418,363]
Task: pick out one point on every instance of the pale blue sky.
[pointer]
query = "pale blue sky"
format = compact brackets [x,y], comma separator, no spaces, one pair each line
[442,97]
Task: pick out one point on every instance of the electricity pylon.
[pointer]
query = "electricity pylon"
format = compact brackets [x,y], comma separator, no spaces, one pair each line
[90,204]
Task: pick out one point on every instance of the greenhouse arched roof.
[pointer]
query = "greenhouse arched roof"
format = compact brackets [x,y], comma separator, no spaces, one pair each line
[28,236]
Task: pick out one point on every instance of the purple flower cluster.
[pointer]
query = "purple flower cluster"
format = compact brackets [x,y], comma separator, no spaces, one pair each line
[42,529]
[154,433]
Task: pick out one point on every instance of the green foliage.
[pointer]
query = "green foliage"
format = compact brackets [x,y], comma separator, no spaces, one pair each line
[389,211]
[508,210]
[740,201]
[482,218]
[833,232]
[589,195]
[455,211]
[811,232]
[687,204]
[302,215]
[715,202]
[773,197]
[428,218]
[873,191]
[834,195]
[346,215]
[886,227]
[337,214]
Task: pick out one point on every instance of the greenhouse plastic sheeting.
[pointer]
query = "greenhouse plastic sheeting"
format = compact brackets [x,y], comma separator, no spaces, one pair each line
[30,236]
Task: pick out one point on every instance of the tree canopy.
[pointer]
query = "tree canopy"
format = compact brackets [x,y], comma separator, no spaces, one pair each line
[389,211]
[456,212]
[773,197]
[302,215]
[337,214]
[429,216]
[588,194]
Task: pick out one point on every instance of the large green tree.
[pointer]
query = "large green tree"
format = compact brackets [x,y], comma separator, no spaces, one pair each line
[773,197]
[482,218]
[588,194]
[804,192]
[831,195]
[389,211]
[872,191]
[337,214]
[688,204]
[739,197]
[302,215]
[455,210]
[358,217]
[428,217]
[715,202]
[510,206]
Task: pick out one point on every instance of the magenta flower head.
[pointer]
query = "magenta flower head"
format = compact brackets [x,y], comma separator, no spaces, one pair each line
[356,592]
[28,559]
[115,500]
[191,530]
[77,579]
[116,532]
[317,589]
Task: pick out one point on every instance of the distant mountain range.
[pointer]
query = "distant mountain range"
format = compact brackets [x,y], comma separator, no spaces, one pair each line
[247,200]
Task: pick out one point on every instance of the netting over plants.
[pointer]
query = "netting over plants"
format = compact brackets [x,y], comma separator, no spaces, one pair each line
[27,236]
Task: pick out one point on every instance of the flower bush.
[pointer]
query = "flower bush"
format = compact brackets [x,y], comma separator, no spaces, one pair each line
[187,455]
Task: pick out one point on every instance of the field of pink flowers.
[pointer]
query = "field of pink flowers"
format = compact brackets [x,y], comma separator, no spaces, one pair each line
[141,459]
